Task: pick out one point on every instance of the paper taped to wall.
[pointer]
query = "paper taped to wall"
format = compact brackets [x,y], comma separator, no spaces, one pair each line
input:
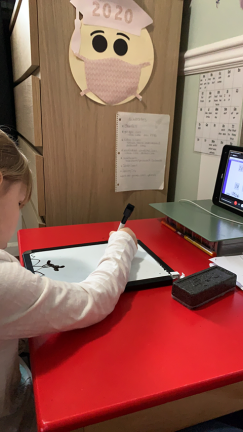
[141,148]
[219,110]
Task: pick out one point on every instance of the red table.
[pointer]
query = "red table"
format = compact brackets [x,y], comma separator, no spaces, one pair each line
[150,351]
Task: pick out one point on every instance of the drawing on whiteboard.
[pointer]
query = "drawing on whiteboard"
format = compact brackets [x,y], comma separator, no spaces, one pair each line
[47,265]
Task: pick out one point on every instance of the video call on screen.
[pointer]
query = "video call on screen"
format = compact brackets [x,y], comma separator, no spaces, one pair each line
[232,190]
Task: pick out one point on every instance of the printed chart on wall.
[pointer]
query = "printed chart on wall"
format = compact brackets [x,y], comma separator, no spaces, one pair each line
[219,110]
[141,148]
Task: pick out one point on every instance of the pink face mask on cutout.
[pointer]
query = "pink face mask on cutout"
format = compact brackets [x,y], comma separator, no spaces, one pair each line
[112,80]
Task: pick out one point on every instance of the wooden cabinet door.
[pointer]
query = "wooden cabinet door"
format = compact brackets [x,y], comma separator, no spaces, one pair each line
[24,39]
[79,135]
[28,110]
[36,166]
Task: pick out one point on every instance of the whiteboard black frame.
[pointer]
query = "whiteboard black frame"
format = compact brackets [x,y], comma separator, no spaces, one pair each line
[132,285]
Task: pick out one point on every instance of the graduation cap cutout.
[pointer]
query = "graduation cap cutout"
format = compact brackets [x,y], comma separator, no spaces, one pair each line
[123,15]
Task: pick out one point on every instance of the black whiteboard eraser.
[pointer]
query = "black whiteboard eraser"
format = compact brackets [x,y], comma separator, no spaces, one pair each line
[200,288]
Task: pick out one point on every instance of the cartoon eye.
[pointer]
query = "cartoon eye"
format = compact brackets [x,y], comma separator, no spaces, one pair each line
[120,47]
[99,43]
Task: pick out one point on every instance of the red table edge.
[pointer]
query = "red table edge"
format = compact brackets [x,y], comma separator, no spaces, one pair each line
[137,405]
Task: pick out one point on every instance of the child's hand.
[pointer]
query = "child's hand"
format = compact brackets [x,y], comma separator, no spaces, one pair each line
[128,231]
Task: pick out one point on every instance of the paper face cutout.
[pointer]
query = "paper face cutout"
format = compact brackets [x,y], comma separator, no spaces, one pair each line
[110,67]
[118,78]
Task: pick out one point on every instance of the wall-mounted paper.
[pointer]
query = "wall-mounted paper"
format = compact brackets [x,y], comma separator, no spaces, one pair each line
[141,148]
[219,110]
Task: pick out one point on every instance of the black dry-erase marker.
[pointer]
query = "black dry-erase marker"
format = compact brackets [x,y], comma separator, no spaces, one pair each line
[127,213]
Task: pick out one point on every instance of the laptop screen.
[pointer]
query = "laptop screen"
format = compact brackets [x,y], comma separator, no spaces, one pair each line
[231,193]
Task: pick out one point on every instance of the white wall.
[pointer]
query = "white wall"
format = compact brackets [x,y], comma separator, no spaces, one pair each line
[192,175]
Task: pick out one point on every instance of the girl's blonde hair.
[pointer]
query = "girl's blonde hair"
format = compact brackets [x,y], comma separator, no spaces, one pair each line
[14,166]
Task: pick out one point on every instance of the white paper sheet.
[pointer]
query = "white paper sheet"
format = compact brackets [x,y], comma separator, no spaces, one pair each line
[141,148]
[233,264]
[219,110]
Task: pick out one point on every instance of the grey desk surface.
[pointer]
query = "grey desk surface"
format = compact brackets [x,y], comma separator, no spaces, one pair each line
[201,222]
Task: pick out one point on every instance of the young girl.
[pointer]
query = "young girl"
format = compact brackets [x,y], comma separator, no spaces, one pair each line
[31,305]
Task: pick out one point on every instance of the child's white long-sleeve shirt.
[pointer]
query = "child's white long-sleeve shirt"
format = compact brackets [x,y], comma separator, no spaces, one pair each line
[31,305]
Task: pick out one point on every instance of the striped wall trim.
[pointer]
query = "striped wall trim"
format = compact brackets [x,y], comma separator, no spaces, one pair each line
[216,56]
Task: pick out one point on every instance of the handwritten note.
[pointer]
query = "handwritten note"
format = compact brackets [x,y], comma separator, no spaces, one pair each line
[219,110]
[141,147]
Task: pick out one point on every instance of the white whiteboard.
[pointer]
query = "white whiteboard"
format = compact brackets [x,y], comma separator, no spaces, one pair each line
[80,261]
